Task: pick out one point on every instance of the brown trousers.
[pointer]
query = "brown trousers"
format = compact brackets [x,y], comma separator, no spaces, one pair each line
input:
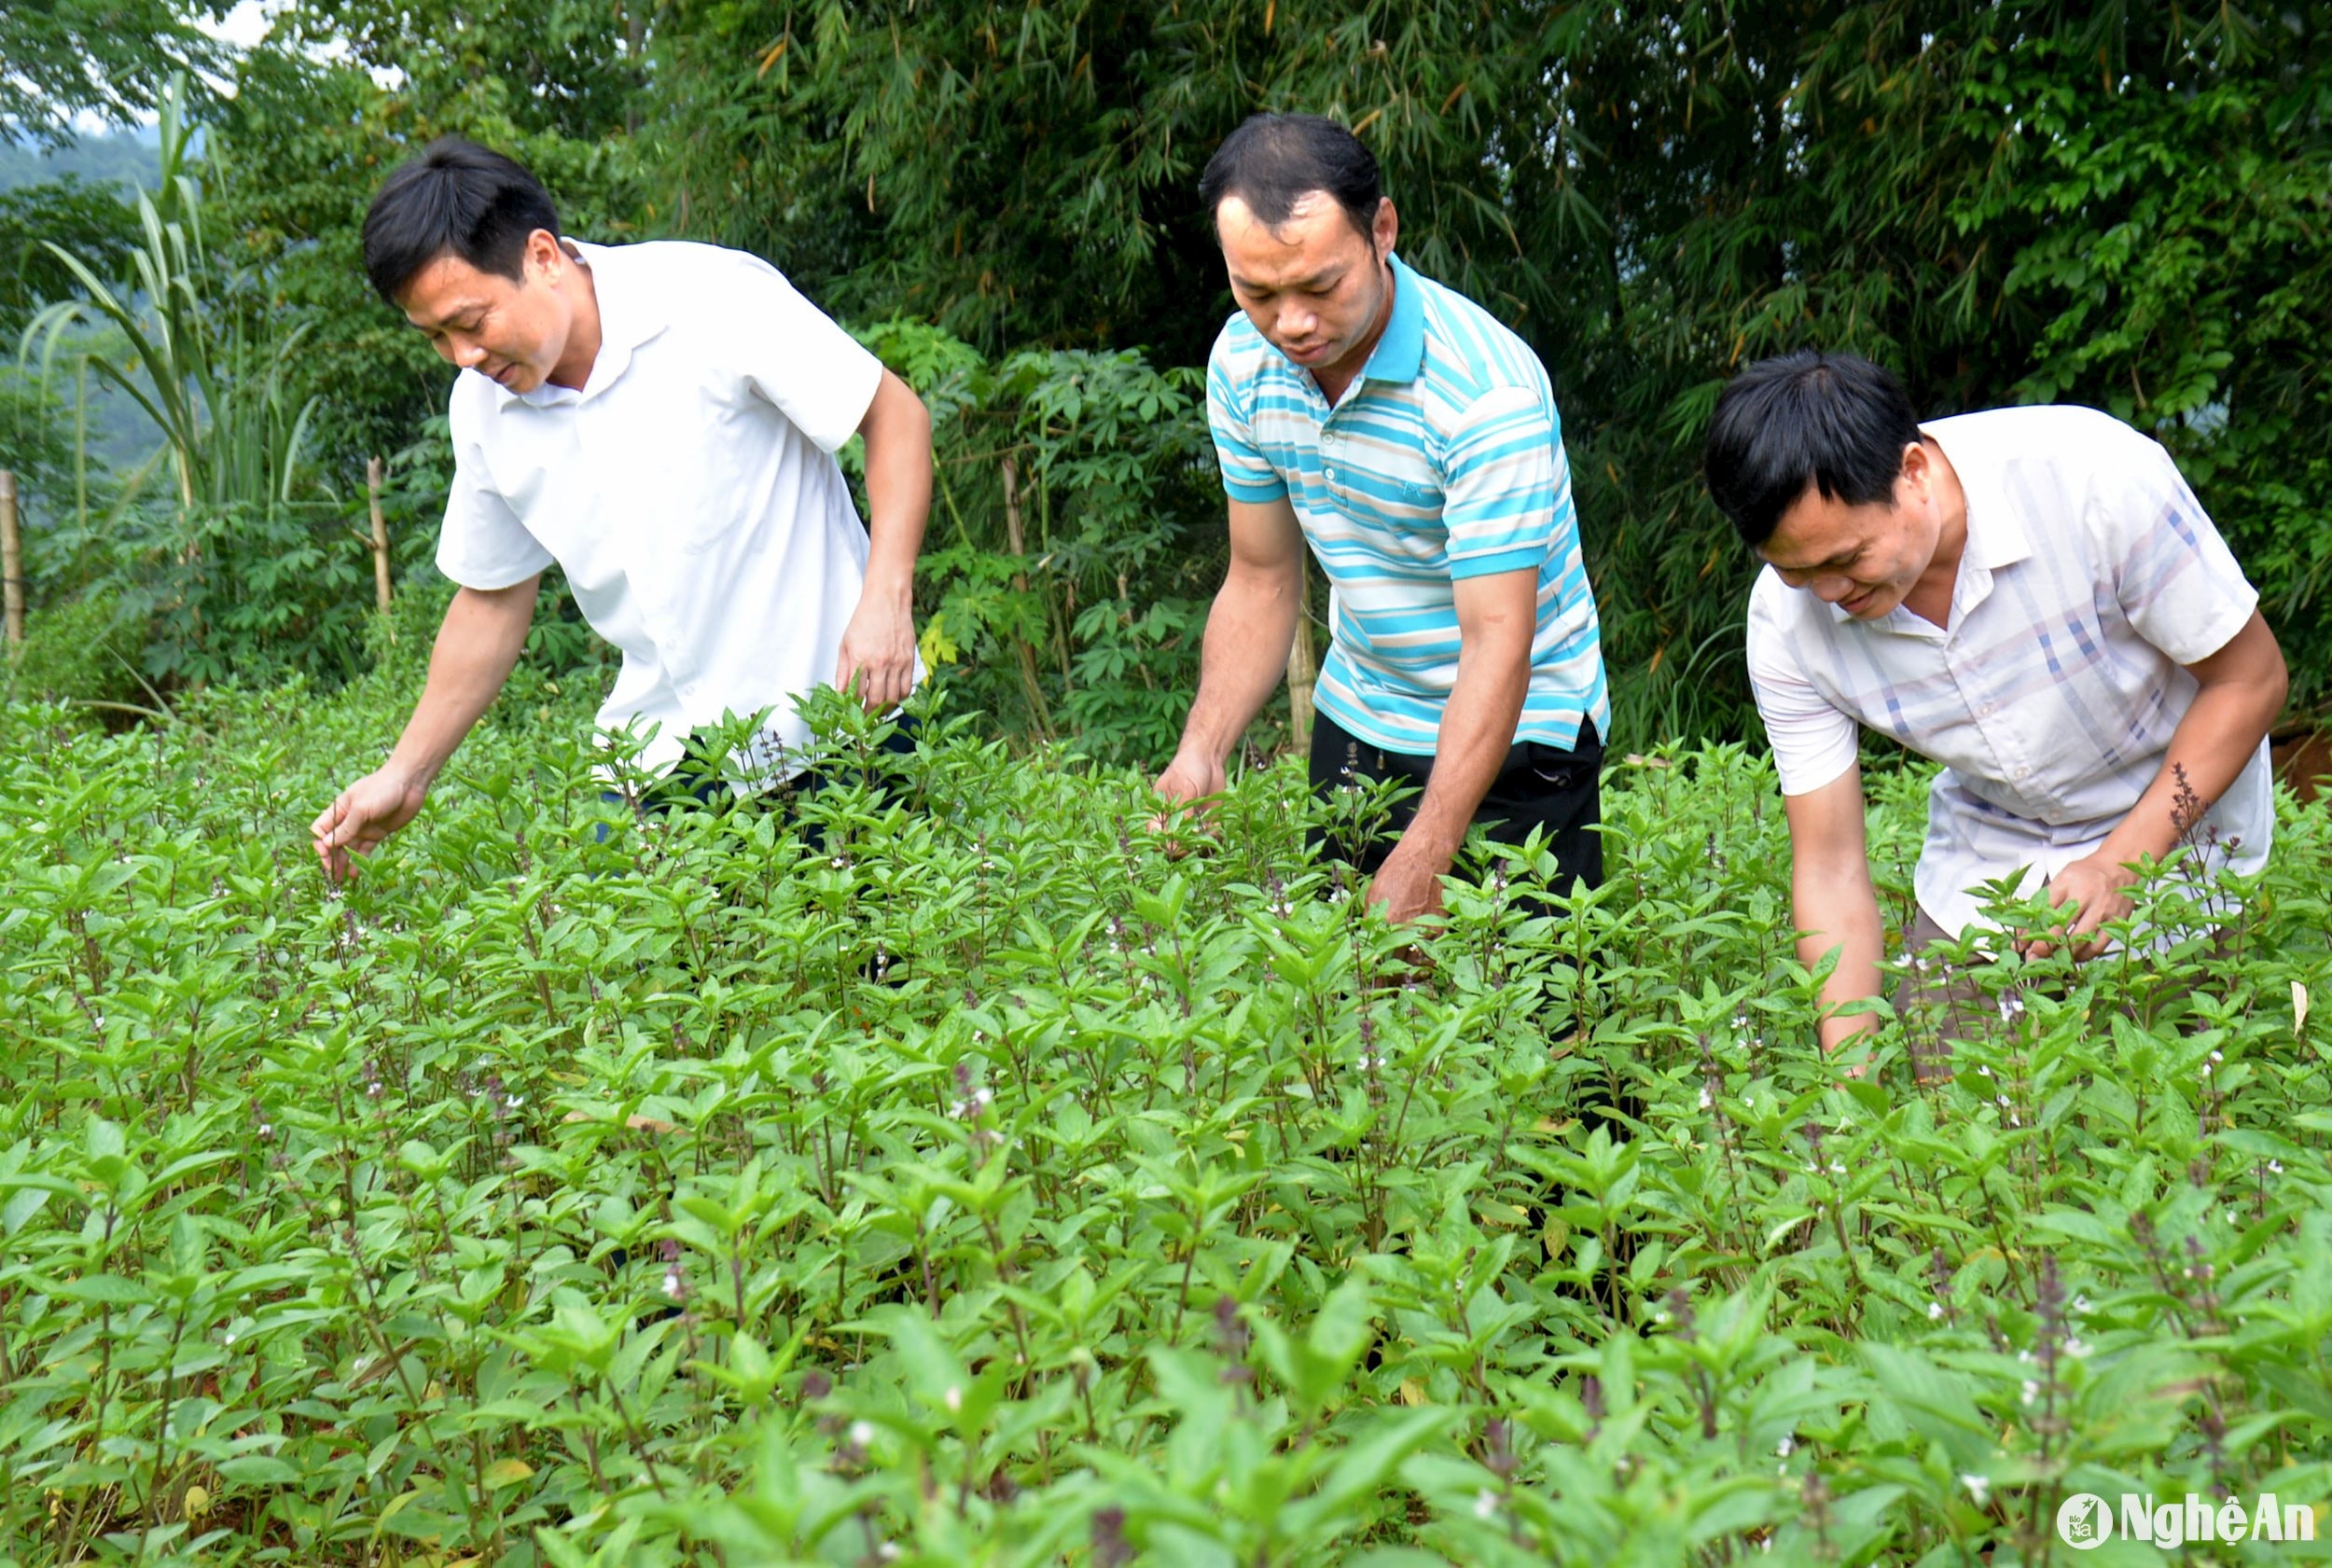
[1951,998]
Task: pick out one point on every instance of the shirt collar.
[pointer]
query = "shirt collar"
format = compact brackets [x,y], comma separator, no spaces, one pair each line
[1400,353]
[1995,537]
[626,321]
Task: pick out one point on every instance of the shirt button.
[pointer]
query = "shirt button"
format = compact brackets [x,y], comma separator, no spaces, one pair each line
[1985,710]
[2023,773]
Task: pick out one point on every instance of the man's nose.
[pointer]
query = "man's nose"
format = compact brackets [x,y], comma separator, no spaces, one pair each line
[1830,587]
[1296,323]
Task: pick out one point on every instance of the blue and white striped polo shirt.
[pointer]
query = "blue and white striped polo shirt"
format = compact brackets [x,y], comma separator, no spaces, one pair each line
[1443,461]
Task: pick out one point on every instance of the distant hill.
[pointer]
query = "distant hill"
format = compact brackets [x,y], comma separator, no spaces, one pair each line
[126,156]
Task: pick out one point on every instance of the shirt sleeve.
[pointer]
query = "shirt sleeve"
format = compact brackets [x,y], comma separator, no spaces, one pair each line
[795,356]
[1813,740]
[484,545]
[1247,474]
[2173,575]
[1505,487]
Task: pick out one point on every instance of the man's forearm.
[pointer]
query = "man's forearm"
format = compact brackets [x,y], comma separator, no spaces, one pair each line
[898,505]
[898,431]
[1477,735]
[478,645]
[2213,744]
[1837,906]
[1248,633]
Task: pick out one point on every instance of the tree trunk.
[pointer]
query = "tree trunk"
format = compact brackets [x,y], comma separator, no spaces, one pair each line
[379,534]
[1303,669]
[11,560]
[1016,541]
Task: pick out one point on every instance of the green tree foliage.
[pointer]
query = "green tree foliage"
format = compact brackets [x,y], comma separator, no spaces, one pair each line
[2121,205]
[109,58]
[216,399]
[564,69]
[1063,476]
[46,427]
[91,221]
[304,144]
[247,564]
[1015,173]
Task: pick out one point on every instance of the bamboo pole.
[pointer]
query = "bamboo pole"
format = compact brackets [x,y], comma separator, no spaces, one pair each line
[1303,670]
[11,558]
[380,536]
[1016,541]
[80,445]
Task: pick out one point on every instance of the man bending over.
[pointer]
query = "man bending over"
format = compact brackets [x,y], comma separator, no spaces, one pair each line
[2031,596]
[660,421]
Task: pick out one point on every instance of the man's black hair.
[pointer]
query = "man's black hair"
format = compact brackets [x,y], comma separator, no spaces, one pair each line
[1831,422]
[1274,160]
[456,199]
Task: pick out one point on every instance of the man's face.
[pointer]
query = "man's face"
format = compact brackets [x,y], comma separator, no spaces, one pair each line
[1316,287]
[1865,559]
[514,332]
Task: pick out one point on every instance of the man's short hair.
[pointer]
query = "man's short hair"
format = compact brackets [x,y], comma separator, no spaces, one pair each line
[1272,161]
[456,199]
[1831,422]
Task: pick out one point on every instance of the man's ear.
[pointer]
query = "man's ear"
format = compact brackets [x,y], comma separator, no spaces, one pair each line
[1919,467]
[1386,230]
[545,255]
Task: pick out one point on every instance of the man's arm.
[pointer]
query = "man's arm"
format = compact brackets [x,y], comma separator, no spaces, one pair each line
[1497,616]
[1832,902]
[2242,690]
[478,641]
[878,644]
[1248,633]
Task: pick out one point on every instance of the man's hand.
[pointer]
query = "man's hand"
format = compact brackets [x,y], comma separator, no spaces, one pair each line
[2100,889]
[1407,885]
[879,651]
[480,641]
[1191,777]
[366,814]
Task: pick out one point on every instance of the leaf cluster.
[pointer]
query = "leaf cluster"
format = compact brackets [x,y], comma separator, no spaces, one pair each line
[970,1170]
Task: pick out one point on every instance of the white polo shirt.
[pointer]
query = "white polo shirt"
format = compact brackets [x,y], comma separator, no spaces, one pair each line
[689,489]
[2091,576]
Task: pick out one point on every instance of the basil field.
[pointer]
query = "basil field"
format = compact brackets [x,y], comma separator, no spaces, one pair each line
[991,1174]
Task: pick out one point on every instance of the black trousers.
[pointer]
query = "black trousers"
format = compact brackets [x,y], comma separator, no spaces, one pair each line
[699,778]
[1540,786]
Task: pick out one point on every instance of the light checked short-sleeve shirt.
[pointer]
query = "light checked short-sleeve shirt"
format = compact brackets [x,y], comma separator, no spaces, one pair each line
[689,489]
[1443,461]
[2091,575]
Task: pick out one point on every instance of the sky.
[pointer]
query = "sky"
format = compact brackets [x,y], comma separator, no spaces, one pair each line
[242,26]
